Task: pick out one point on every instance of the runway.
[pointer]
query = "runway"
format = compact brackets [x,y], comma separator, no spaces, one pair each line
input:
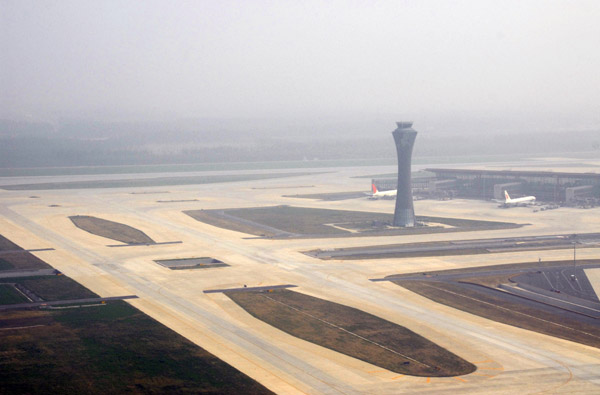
[509,359]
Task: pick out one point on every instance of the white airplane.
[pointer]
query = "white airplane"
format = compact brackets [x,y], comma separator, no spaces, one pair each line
[382,194]
[518,201]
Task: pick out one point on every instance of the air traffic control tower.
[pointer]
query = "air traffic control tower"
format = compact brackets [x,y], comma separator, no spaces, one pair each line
[404,136]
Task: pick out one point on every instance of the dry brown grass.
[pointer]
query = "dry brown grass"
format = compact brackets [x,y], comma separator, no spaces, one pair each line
[511,313]
[352,332]
[18,260]
[110,349]
[111,230]
[211,218]
[469,271]
[312,222]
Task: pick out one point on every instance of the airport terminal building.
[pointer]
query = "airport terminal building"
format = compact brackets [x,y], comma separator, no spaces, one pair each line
[546,186]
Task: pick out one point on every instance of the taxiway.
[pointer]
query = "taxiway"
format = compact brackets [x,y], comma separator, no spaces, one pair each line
[509,359]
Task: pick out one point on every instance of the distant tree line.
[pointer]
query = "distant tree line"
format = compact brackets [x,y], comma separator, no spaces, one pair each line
[42,145]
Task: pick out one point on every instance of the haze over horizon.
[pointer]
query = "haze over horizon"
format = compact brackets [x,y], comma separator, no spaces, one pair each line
[461,65]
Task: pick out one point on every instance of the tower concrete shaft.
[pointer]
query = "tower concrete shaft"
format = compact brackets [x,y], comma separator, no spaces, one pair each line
[404,136]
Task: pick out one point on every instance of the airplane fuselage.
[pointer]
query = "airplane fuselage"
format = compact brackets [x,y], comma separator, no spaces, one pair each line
[382,194]
[522,201]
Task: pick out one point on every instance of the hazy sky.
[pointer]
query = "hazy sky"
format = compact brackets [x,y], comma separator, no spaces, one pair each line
[528,62]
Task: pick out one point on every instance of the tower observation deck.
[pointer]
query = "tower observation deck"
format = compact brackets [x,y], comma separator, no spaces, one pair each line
[404,136]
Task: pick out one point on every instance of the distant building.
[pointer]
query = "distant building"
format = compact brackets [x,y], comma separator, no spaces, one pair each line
[546,186]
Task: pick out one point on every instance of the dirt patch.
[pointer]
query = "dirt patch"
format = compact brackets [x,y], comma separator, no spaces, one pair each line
[352,332]
[111,230]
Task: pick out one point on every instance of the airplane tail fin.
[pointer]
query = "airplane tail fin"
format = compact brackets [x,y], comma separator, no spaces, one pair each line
[506,196]
[373,188]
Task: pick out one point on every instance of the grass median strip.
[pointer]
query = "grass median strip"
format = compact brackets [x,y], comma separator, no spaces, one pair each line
[111,230]
[499,309]
[352,332]
[295,222]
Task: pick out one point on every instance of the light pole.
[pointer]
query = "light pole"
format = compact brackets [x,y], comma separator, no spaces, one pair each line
[574,238]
